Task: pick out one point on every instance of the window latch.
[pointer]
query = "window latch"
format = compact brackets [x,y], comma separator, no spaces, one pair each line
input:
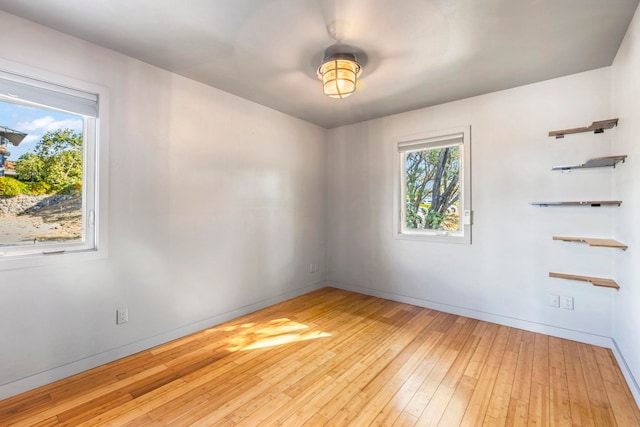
[467,219]
[54,252]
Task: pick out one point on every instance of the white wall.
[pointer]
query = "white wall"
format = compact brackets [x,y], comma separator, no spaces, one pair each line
[216,208]
[626,103]
[503,275]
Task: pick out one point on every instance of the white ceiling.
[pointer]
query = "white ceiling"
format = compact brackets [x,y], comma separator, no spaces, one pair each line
[419,52]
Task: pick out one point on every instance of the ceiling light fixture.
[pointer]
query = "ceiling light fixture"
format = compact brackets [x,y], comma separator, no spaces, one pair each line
[340,68]
[339,73]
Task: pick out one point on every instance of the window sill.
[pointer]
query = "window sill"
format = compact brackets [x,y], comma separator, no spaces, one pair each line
[438,237]
[16,262]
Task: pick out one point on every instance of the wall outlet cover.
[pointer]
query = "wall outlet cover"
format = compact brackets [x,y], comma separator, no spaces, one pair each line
[567,303]
[122,316]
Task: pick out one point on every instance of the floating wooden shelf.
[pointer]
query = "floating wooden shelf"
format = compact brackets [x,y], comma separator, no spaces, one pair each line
[598,162]
[592,241]
[586,203]
[595,281]
[596,127]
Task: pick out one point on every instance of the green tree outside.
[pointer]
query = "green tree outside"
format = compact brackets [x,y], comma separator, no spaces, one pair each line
[30,167]
[56,160]
[432,188]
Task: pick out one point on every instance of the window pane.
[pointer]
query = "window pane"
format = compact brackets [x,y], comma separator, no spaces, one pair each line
[42,155]
[432,189]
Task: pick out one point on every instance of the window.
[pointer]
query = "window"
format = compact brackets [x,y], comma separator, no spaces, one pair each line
[432,189]
[52,144]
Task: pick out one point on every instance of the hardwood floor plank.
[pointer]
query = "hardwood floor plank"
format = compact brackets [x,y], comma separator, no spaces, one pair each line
[518,411]
[23,406]
[52,421]
[539,394]
[476,409]
[461,398]
[445,390]
[265,411]
[347,354]
[345,401]
[458,403]
[481,353]
[337,370]
[312,365]
[405,341]
[479,401]
[600,407]
[405,420]
[348,358]
[618,394]
[165,414]
[92,408]
[437,366]
[559,402]
[581,413]
[411,373]
[217,398]
[389,362]
[499,402]
[299,401]
[275,398]
[377,402]
[83,398]
[141,421]
[338,358]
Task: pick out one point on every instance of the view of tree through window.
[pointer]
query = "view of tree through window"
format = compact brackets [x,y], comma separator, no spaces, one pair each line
[432,185]
[41,174]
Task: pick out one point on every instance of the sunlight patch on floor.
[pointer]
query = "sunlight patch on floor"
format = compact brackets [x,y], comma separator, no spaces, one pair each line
[274,333]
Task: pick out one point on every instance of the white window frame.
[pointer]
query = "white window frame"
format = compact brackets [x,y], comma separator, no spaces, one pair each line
[35,86]
[460,135]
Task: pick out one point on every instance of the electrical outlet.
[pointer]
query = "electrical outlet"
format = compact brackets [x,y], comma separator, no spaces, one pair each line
[567,303]
[122,316]
[554,301]
[313,268]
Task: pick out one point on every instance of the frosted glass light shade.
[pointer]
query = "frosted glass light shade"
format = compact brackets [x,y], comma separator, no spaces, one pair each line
[339,74]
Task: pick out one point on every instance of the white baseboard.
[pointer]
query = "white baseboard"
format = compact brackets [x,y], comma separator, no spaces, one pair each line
[28,383]
[628,375]
[527,325]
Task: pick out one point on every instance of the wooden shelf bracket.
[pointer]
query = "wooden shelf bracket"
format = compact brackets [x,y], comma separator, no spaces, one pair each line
[596,127]
[595,281]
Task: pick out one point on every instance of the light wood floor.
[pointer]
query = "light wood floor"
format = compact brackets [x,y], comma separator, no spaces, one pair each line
[338,358]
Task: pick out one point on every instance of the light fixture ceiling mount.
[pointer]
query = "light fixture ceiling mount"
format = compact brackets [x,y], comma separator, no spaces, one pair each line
[340,67]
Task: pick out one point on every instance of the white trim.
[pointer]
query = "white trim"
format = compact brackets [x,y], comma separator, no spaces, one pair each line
[95,247]
[513,322]
[418,142]
[628,375]
[28,383]
[430,140]
[35,92]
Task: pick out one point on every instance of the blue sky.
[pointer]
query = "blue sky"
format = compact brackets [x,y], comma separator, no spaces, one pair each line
[34,122]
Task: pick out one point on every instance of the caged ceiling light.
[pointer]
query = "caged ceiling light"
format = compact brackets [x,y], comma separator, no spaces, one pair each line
[339,73]
[341,65]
